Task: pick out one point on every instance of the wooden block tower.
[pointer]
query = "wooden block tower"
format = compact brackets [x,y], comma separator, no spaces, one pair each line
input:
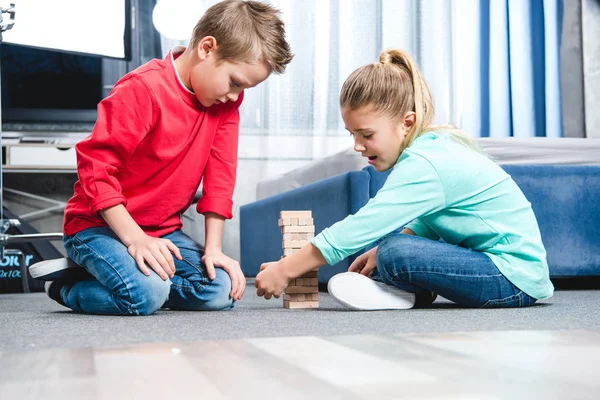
[298,229]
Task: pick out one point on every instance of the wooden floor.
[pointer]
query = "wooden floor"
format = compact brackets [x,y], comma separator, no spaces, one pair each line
[475,365]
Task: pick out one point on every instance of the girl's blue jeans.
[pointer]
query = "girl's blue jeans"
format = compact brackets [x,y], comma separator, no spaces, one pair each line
[117,286]
[464,276]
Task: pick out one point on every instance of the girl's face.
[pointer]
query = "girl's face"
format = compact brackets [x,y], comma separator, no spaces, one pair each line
[377,137]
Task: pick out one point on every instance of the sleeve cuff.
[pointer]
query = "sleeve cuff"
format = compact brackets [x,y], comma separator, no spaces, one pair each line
[107,200]
[417,228]
[420,229]
[217,205]
[326,249]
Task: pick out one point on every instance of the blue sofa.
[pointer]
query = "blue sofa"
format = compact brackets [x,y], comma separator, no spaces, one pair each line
[565,199]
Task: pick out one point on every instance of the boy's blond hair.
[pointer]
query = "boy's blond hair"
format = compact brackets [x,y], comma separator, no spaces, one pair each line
[246,31]
[394,86]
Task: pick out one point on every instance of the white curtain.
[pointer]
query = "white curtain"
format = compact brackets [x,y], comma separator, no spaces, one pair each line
[492,67]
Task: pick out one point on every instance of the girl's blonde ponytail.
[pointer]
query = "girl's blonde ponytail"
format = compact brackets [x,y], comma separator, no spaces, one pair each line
[423,103]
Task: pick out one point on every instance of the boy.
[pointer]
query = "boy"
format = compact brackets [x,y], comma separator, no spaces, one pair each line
[165,127]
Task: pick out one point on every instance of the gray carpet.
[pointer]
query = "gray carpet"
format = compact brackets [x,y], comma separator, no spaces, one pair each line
[32,321]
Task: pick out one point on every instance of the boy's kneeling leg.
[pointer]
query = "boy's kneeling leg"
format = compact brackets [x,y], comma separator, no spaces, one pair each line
[148,294]
[118,287]
[139,295]
[202,294]
[217,292]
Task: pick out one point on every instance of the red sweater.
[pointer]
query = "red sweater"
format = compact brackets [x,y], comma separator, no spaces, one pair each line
[151,146]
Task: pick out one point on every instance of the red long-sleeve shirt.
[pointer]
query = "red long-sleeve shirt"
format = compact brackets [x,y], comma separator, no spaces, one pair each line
[152,145]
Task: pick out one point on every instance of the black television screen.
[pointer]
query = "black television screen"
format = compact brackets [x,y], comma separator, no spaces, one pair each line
[49,86]
[51,61]
[99,27]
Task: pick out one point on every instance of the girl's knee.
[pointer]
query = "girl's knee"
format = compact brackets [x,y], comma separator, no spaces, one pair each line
[390,256]
[400,246]
[396,242]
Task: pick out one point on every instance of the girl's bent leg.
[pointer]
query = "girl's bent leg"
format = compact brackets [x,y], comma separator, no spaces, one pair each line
[117,286]
[466,277]
[191,288]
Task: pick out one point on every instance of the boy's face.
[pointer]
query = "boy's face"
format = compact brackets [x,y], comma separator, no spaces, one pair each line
[377,137]
[216,82]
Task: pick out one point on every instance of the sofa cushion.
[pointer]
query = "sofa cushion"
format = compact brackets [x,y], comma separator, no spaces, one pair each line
[566,203]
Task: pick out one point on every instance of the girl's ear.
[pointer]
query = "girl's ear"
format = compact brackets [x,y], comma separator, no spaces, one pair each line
[408,122]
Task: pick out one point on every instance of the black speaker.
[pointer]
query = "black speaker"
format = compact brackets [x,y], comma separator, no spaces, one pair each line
[30,253]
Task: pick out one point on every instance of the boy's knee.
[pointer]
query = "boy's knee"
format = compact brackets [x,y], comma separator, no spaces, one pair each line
[218,293]
[145,295]
[211,295]
[219,303]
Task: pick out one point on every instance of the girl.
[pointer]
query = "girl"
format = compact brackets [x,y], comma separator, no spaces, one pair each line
[469,234]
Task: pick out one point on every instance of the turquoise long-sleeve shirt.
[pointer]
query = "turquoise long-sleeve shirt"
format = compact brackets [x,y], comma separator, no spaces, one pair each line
[439,188]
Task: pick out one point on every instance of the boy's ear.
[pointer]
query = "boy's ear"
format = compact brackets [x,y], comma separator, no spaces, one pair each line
[205,47]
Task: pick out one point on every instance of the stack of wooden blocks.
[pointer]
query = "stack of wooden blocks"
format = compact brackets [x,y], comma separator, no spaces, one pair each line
[298,229]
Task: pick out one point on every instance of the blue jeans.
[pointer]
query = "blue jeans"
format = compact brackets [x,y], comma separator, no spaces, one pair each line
[117,286]
[467,277]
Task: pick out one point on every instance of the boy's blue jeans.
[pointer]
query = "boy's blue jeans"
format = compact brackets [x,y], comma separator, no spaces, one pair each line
[117,286]
[466,277]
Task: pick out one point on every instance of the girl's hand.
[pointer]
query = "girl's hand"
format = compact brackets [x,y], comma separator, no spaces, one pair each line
[216,258]
[270,281]
[365,263]
[155,253]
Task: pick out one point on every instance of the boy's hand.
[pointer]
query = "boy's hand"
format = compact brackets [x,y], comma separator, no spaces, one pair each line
[365,263]
[270,281]
[156,253]
[215,258]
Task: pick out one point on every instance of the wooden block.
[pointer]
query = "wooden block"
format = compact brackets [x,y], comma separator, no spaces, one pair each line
[289,252]
[313,281]
[293,244]
[305,221]
[294,221]
[313,296]
[300,304]
[298,236]
[295,214]
[300,282]
[298,297]
[301,289]
[284,222]
[297,229]
[292,282]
